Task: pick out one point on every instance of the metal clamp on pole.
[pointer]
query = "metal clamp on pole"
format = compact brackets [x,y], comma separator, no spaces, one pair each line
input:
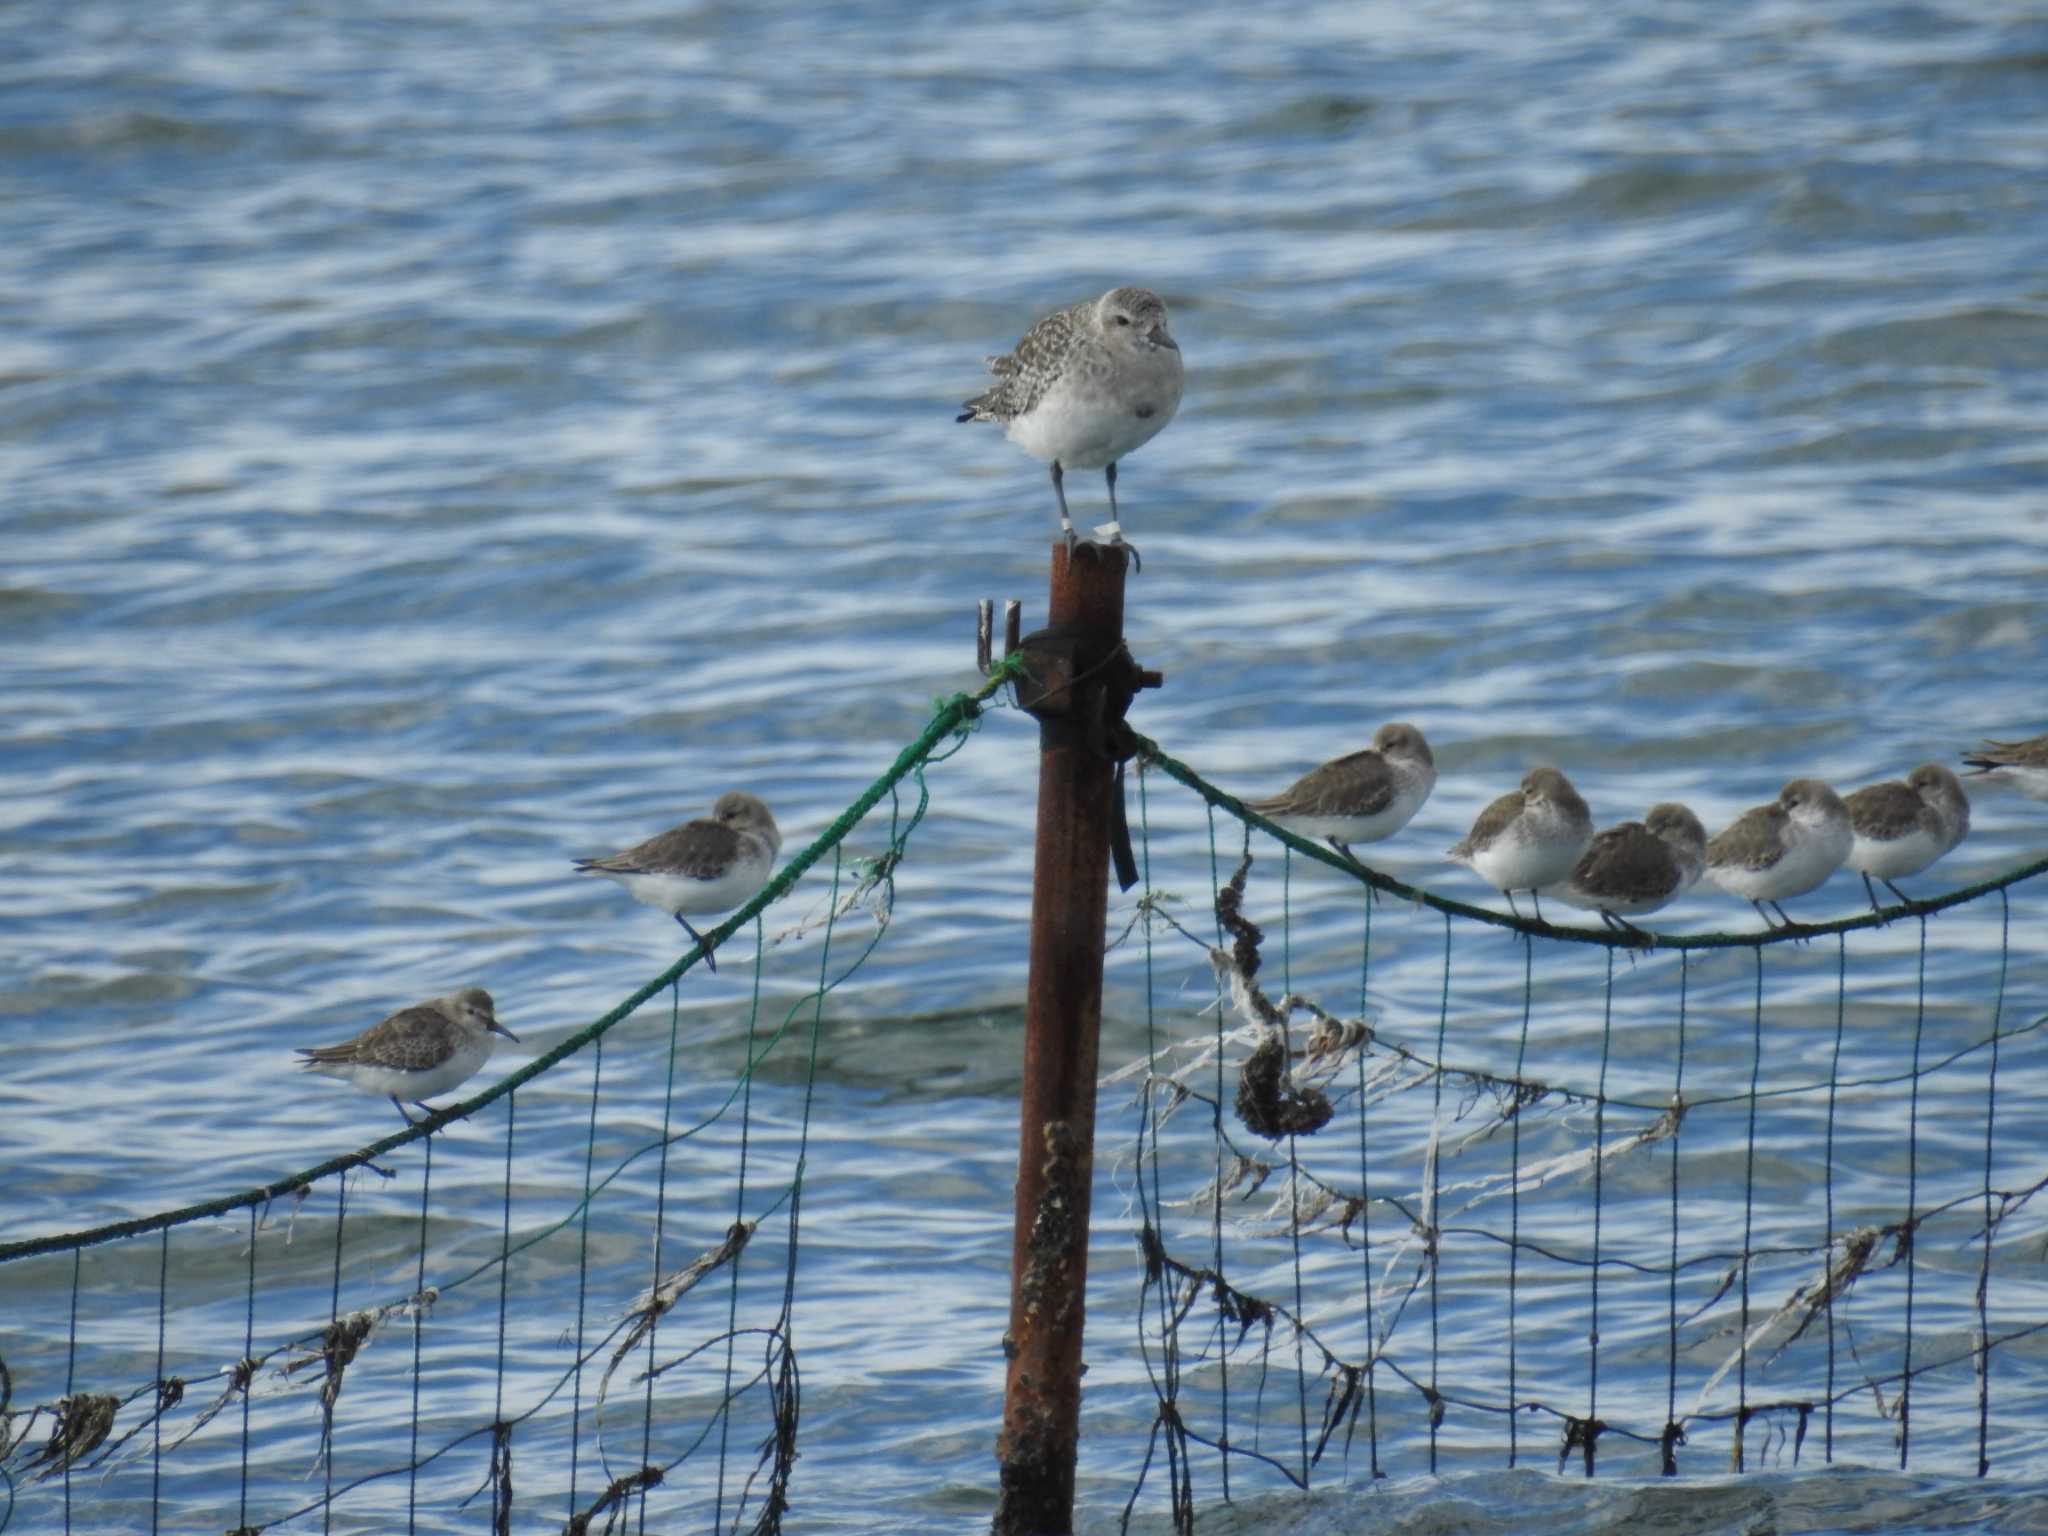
[1079,689]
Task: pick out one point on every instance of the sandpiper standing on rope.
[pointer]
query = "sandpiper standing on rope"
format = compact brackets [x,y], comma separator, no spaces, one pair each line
[1529,838]
[417,1052]
[706,865]
[1637,867]
[1901,827]
[1087,385]
[1787,848]
[1361,798]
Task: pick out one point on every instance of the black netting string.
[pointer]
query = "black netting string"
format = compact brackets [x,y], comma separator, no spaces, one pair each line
[1515,1197]
[1984,1262]
[1591,1432]
[419,1326]
[1909,1231]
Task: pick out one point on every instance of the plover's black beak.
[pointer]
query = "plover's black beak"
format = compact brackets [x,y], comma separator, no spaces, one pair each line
[498,1029]
[1158,337]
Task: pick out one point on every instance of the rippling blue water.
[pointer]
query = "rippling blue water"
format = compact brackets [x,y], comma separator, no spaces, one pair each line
[441,443]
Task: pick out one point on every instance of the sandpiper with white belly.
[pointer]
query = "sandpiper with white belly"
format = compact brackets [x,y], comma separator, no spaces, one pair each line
[1773,852]
[1636,867]
[1361,798]
[1900,827]
[418,1052]
[707,865]
[1528,838]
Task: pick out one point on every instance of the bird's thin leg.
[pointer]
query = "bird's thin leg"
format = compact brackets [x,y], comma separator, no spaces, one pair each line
[1896,892]
[1533,896]
[1871,891]
[1776,924]
[401,1110]
[1113,531]
[1372,893]
[1059,489]
[1802,936]
[710,960]
[1619,924]
[1511,903]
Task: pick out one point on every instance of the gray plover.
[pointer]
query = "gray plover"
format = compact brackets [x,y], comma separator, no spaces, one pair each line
[1086,386]
[1529,838]
[1901,827]
[706,865]
[1773,852]
[1362,798]
[2022,764]
[1636,867]
[417,1052]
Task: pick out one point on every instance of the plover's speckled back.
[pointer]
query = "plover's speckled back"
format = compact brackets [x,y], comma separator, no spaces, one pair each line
[417,1052]
[1087,385]
[1899,828]
[1529,838]
[1361,798]
[1637,867]
[707,865]
[2022,764]
[1773,852]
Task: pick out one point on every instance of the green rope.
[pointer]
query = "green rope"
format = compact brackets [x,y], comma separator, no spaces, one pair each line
[1149,751]
[954,716]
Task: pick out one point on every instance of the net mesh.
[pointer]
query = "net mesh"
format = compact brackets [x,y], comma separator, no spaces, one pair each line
[1411,1186]
[1730,1200]
[637,1348]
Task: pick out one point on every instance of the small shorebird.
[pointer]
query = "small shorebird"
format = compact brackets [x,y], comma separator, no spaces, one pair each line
[1530,837]
[1784,849]
[1901,827]
[1087,385]
[417,1052]
[1361,798]
[1636,867]
[2022,764]
[701,866]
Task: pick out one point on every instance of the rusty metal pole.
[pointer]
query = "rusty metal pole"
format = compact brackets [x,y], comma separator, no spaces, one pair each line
[1062,1021]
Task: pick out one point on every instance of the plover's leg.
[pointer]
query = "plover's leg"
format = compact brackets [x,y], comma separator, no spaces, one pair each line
[1511,903]
[401,1110]
[1059,489]
[1112,532]
[1871,891]
[1533,896]
[710,960]
[1895,891]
